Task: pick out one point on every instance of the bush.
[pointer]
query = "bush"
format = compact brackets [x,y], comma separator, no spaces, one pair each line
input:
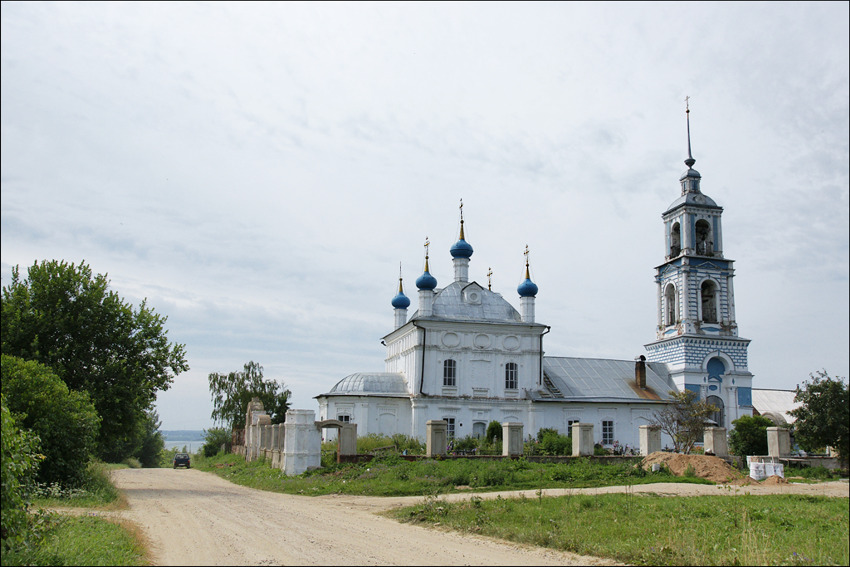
[19,467]
[65,421]
[494,431]
[550,442]
[749,437]
[213,440]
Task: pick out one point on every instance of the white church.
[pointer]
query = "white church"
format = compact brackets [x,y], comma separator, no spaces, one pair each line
[467,356]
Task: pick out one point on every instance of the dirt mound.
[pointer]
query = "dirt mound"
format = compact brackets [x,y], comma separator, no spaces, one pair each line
[774,480]
[714,469]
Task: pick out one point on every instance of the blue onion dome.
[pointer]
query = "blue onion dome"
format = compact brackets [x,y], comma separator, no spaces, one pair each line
[426,281]
[400,301]
[461,249]
[527,288]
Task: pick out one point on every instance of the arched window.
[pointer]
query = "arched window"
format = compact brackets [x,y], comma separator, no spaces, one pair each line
[705,247]
[708,296]
[718,415]
[511,373]
[675,240]
[670,304]
[716,368]
[449,373]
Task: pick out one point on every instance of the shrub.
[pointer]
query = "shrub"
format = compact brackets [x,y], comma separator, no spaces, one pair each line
[494,431]
[213,440]
[550,442]
[65,421]
[19,466]
[749,437]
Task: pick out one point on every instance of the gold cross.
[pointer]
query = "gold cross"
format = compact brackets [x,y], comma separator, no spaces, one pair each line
[489,280]
[526,254]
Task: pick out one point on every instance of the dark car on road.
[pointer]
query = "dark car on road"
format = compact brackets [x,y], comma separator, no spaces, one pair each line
[182,460]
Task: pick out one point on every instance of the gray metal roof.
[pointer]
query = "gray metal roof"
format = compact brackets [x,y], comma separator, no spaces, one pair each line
[489,306]
[775,401]
[605,380]
[359,383]
[694,199]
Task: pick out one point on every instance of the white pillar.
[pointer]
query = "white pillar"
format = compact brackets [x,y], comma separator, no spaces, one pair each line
[526,309]
[582,435]
[426,302]
[400,317]
[511,439]
[302,447]
[650,439]
[461,266]
[436,437]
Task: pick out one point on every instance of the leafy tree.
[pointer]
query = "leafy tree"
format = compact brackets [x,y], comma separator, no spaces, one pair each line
[823,419]
[683,419]
[65,420]
[213,440]
[749,436]
[494,431]
[153,443]
[65,317]
[18,469]
[231,393]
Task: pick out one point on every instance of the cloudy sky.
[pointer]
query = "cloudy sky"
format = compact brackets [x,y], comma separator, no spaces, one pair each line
[259,171]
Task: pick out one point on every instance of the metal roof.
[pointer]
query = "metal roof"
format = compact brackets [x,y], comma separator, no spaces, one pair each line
[775,401]
[488,306]
[380,383]
[606,380]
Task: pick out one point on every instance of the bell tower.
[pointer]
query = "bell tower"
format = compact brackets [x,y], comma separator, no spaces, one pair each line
[696,332]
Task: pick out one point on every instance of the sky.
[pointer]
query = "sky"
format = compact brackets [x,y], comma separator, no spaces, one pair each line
[260,171]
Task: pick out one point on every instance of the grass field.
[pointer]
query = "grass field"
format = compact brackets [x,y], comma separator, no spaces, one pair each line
[392,476]
[643,529]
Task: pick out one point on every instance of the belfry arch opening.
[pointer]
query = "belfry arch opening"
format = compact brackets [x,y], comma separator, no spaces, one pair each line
[670,304]
[704,244]
[708,296]
[675,240]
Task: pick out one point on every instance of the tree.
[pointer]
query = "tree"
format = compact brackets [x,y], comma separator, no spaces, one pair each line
[683,419]
[18,468]
[64,420]
[152,441]
[65,317]
[494,431]
[213,440]
[823,419]
[749,436]
[231,393]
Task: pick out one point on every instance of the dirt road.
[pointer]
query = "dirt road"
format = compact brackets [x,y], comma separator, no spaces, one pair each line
[196,518]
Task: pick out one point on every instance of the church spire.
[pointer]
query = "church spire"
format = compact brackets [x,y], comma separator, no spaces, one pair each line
[690,161]
[461,252]
[691,178]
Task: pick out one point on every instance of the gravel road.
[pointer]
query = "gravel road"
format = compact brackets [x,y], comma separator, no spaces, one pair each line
[196,518]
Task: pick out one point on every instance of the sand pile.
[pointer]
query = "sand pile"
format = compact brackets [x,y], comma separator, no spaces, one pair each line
[714,469]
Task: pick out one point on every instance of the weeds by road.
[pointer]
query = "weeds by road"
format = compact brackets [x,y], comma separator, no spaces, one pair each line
[390,475]
[644,529]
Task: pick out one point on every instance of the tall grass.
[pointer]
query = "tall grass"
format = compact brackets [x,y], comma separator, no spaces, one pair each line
[390,475]
[644,529]
[82,540]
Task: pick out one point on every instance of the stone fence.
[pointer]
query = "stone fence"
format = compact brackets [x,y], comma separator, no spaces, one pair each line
[295,445]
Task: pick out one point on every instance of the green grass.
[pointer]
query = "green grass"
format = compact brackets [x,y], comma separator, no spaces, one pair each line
[392,476]
[644,529]
[97,490]
[81,540]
